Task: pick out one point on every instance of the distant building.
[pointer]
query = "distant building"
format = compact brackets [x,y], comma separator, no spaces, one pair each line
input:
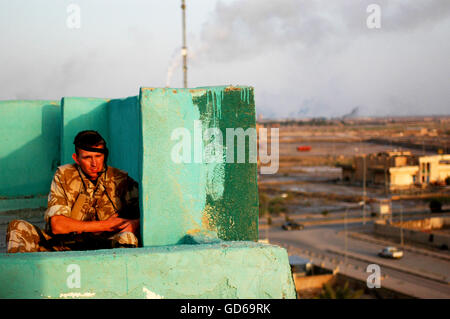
[434,169]
[398,169]
[381,206]
[422,131]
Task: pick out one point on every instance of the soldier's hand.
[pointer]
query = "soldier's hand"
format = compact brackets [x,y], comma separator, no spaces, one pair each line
[114,223]
[132,226]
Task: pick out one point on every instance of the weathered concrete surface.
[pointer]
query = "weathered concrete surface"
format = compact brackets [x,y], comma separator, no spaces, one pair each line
[187,208]
[208,197]
[124,141]
[224,270]
[29,147]
[20,203]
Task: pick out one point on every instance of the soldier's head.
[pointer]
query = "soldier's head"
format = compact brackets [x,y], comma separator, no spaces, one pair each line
[91,153]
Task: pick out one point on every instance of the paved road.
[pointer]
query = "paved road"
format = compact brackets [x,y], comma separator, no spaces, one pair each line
[416,274]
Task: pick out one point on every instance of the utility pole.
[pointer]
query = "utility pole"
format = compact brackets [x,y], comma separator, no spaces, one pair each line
[401,225]
[385,181]
[392,212]
[364,189]
[184,48]
[345,225]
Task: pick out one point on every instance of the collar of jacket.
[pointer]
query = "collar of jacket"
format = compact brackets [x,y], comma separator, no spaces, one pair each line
[86,180]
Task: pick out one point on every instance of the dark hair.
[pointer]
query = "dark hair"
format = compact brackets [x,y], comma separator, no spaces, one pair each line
[88,138]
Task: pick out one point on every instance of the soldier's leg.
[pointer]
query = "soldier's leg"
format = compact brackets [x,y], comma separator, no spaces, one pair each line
[124,240]
[22,236]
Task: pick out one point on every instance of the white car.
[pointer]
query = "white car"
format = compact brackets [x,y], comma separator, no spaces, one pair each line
[391,252]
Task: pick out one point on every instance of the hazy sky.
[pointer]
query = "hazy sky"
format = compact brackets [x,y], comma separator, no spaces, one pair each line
[304,57]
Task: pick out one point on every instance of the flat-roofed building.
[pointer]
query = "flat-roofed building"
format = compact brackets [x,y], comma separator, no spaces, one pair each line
[398,170]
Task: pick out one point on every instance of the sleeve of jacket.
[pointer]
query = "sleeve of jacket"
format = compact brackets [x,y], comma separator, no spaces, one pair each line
[58,202]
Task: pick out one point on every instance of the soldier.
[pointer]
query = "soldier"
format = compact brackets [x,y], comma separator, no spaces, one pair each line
[90,205]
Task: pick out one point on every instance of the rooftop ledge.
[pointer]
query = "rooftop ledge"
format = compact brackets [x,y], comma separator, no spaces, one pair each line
[229,269]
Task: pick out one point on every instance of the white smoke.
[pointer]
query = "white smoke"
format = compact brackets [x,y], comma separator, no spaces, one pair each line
[320,56]
[245,28]
[174,64]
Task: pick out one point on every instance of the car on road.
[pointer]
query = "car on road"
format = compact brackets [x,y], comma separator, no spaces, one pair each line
[292,226]
[391,252]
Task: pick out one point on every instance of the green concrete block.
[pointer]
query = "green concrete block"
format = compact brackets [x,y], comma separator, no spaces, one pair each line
[79,114]
[9,204]
[29,147]
[224,270]
[199,217]
[196,196]
[124,135]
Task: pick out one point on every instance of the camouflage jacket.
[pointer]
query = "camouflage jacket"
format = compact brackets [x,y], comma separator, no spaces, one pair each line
[114,192]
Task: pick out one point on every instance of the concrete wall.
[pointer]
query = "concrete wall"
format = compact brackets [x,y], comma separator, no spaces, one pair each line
[402,176]
[429,168]
[444,172]
[227,270]
[80,114]
[195,198]
[125,141]
[37,137]
[311,282]
[208,202]
[425,224]
[29,147]
[412,235]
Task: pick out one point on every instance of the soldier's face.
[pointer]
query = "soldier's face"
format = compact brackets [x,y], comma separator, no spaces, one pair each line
[90,162]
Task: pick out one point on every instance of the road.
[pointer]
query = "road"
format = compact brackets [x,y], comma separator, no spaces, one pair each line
[416,274]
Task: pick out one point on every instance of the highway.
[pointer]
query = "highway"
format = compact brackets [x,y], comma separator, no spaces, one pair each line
[417,274]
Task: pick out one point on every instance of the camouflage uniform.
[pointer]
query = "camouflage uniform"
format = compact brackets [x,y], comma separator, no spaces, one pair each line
[114,192]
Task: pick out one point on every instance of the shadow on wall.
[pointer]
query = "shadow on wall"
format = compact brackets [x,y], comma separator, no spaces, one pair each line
[81,123]
[124,135]
[37,134]
[29,151]
[29,156]
[116,120]
[79,114]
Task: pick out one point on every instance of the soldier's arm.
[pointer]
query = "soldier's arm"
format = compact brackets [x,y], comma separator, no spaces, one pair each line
[65,225]
[57,215]
[58,201]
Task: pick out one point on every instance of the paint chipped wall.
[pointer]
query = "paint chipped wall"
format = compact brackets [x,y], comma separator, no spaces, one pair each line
[199,198]
[210,207]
